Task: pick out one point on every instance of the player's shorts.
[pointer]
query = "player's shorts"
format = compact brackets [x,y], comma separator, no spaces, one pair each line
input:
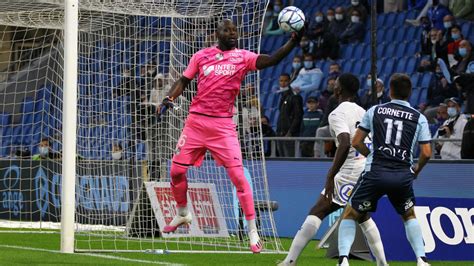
[202,133]
[372,185]
[343,187]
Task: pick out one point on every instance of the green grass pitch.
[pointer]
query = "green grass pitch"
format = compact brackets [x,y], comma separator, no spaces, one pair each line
[43,249]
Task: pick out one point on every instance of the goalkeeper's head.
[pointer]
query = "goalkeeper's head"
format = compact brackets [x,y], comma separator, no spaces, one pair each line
[227,35]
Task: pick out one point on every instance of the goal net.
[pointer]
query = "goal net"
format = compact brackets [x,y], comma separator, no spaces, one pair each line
[129,53]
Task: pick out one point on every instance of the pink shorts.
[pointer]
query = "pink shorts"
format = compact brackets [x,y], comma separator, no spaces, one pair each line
[201,133]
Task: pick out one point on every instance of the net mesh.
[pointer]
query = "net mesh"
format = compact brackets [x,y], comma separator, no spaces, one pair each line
[130,52]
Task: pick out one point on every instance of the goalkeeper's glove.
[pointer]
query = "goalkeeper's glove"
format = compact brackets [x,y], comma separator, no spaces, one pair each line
[297,35]
[166,104]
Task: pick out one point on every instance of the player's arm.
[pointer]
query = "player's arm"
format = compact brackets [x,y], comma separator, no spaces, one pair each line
[176,90]
[425,155]
[264,60]
[339,158]
[358,142]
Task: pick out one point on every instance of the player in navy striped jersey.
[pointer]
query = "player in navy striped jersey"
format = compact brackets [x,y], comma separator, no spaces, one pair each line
[396,128]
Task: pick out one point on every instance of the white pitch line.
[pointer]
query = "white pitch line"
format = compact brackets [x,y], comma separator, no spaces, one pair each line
[92,255]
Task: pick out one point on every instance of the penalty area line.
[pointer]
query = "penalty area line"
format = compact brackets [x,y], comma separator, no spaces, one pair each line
[91,255]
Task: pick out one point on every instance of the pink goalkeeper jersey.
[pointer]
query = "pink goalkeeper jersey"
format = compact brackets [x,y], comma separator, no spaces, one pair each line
[220,74]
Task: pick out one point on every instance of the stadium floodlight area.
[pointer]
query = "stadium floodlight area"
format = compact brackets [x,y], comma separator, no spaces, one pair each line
[128,54]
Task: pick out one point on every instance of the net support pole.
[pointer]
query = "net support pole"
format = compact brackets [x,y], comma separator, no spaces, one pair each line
[70,33]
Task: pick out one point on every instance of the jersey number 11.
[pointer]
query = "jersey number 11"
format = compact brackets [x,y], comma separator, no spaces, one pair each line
[388,135]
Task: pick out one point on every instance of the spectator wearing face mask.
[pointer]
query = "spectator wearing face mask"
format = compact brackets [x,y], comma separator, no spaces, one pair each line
[117,152]
[465,84]
[452,128]
[466,58]
[325,43]
[355,31]
[448,23]
[311,120]
[273,28]
[339,24]
[425,36]
[453,46]
[382,97]
[319,18]
[463,9]
[436,13]
[307,45]
[356,5]
[441,116]
[330,15]
[296,67]
[309,78]
[434,51]
[45,151]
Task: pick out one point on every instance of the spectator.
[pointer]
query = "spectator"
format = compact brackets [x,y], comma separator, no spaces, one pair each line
[438,90]
[463,9]
[251,108]
[334,70]
[273,28]
[355,31]
[452,129]
[425,36]
[441,117]
[307,45]
[448,23]
[465,84]
[466,58]
[330,15]
[392,6]
[416,4]
[309,78]
[325,43]
[362,11]
[427,5]
[311,120]
[434,51]
[325,94]
[267,131]
[339,24]
[117,152]
[291,115]
[382,97]
[319,19]
[436,13]
[467,144]
[45,151]
[456,38]
[296,67]
[323,129]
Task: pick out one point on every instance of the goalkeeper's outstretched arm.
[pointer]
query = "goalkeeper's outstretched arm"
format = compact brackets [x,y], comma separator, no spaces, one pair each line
[264,60]
[178,87]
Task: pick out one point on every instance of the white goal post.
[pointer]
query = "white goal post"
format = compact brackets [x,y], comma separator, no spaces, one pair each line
[81,148]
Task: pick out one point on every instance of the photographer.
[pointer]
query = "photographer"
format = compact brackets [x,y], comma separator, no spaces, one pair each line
[452,129]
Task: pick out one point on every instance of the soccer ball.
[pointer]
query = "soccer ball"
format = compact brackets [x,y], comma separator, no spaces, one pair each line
[291,19]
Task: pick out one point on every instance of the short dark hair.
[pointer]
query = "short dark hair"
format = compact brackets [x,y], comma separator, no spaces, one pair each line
[400,86]
[45,139]
[349,84]
[286,75]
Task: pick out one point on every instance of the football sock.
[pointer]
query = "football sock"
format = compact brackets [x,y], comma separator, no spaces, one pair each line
[415,237]
[179,184]
[372,235]
[244,193]
[251,225]
[347,230]
[303,236]
[182,211]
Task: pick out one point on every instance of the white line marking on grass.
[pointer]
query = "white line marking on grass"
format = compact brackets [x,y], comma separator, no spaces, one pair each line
[91,255]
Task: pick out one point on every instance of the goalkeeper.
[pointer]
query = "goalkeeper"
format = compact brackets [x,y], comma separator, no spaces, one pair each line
[220,70]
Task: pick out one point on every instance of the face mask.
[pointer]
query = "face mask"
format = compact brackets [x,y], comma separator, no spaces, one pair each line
[282,89]
[44,151]
[452,111]
[117,155]
[319,18]
[355,19]
[447,24]
[339,17]
[433,41]
[296,65]
[304,43]
[331,88]
[379,94]
[462,52]
[330,18]
[455,36]
[276,9]
[355,3]
[308,64]
[268,14]
[369,83]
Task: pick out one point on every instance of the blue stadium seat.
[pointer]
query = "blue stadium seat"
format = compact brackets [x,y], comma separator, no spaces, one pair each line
[415,79]
[381,49]
[358,67]
[5,119]
[381,20]
[346,66]
[422,97]
[389,65]
[466,28]
[411,65]
[401,33]
[400,18]
[401,65]
[28,105]
[412,48]
[413,33]
[414,96]
[425,81]
[347,50]
[6,136]
[390,19]
[390,49]
[359,50]
[401,47]
[390,35]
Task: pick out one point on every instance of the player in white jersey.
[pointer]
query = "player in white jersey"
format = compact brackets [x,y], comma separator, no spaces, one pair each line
[343,174]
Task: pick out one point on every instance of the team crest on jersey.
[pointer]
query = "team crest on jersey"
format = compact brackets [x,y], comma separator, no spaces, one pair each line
[219,56]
